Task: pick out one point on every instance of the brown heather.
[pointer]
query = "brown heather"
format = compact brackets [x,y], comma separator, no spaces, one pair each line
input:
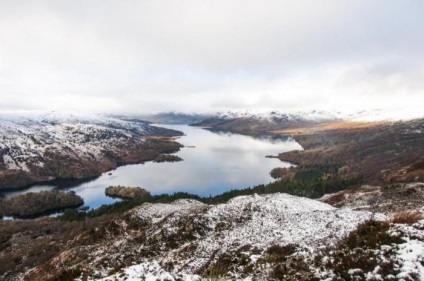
[406,217]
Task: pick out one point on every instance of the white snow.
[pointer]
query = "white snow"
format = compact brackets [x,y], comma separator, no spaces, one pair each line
[258,221]
[272,116]
[148,271]
[277,218]
[411,253]
[9,162]
[154,213]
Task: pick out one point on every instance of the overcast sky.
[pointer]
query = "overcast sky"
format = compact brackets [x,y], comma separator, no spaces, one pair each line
[205,56]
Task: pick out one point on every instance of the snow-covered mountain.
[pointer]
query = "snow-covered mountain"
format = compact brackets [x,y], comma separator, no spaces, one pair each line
[34,145]
[263,122]
[280,116]
[266,121]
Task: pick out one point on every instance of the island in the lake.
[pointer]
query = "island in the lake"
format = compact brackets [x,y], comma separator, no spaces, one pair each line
[125,192]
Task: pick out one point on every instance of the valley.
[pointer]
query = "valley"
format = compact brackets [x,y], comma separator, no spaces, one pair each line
[211,140]
[350,209]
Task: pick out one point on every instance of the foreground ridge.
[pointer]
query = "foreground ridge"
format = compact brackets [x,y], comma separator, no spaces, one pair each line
[267,237]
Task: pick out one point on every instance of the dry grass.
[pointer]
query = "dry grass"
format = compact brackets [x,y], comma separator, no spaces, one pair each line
[406,217]
[337,125]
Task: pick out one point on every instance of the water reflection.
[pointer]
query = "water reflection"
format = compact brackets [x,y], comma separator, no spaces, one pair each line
[213,163]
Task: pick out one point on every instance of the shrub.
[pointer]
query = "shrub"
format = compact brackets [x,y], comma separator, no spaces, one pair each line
[278,253]
[357,250]
[72,215]
[406,217]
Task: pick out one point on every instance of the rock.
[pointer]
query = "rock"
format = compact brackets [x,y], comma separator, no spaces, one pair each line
[126,192]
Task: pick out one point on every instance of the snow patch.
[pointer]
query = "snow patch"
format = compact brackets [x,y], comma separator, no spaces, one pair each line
[411,253]
[148,271]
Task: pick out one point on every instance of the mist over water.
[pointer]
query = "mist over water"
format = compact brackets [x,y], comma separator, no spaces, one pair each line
[212,163]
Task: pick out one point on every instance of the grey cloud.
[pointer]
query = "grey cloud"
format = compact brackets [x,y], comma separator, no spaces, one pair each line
[209,55]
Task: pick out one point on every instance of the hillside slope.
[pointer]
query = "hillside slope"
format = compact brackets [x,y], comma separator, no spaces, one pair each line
[378,152]
[38,147]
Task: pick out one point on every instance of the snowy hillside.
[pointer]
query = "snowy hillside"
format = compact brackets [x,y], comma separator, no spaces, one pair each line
[279,116]
[316,116]
[245,238]
[30,142]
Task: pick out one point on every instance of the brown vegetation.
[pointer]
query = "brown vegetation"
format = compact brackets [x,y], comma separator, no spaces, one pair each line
[167,158]
[126,192]
[28,243]
[406,217]
[321,127]
[382,153]
[277,173]
[31,204]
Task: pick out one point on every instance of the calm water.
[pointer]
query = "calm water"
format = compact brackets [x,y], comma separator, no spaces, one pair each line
[218,162]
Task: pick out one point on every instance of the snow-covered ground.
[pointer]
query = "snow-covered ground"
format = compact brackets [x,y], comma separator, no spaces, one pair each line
[190,240]
[410,254]
[149,271]
[203,233]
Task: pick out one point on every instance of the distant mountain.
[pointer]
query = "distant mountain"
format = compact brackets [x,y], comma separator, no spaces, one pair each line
[279,117]
[265,121]
[258,122]
[44,146]
[174,118]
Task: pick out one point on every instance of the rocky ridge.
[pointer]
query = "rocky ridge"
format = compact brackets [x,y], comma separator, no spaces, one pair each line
[248,238]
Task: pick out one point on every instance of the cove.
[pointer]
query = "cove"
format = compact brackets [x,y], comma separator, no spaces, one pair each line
[213,162]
